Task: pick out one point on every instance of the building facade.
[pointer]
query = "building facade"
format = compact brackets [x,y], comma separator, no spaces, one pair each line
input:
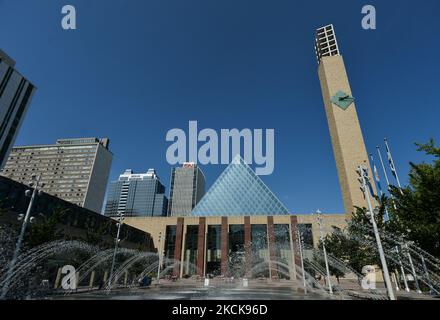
[137,195]
[75,170]
[187,189]
[15,96]
[345,130]
[74,222]
[245,246]
[238,229]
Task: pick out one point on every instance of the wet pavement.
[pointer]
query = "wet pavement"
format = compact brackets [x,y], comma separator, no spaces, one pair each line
[197,291]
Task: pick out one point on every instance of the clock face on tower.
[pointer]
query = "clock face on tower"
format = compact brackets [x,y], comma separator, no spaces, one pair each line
[342,100]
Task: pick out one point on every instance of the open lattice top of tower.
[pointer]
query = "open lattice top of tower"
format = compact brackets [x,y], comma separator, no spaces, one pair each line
[326,44]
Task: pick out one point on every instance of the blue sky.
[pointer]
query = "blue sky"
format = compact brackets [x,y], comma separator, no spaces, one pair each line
[136,68]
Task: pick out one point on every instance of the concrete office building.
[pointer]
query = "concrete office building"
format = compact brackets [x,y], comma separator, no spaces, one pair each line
[15,96]
[187,189]
[345,131]
[137,195]
[75,170]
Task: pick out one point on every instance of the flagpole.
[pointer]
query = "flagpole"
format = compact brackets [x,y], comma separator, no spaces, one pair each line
[377,179]
[385,174]
[394,204]
[383,167]
[394,165]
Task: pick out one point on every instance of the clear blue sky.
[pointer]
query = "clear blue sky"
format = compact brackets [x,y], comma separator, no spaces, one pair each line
[136,68]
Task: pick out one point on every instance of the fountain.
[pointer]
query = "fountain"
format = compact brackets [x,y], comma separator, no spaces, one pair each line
[270,272]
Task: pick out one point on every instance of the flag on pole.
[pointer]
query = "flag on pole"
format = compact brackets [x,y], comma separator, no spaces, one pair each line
[377,178]
[376,175]
[392,166]
[391,162]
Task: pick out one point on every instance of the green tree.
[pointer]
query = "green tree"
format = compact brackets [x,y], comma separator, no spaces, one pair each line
[414,215]
[45,229]
[95,236]
[353,245]
[417,212]
[333,271]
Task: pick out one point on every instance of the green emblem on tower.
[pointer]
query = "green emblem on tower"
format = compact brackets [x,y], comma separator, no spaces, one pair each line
[342,100]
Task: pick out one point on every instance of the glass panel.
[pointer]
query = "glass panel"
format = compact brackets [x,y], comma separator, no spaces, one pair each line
[213,250]
[237,264]
[283,252]
[170,242]
[307,235]
[190,253]
[260,251]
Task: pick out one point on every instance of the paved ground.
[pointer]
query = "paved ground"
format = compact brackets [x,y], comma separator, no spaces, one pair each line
[221,290]
[187,290]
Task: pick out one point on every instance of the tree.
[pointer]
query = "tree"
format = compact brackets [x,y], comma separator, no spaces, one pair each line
[337,273]
[353,245]
[417,212]
[95,236]
[45,229]
[414,215]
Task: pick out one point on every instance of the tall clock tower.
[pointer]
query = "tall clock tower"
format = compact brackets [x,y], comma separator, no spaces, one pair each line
[346,134]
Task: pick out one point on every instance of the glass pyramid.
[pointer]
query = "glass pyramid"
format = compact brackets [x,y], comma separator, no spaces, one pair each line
[239,192]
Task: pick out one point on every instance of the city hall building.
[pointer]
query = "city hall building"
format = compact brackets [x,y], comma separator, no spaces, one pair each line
[239,228]
[203,246]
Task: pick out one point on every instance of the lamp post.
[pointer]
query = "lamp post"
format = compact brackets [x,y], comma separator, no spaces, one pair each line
[300,243]
[120,220]
[363,172]
[327,269]
[36,186]
[158,257]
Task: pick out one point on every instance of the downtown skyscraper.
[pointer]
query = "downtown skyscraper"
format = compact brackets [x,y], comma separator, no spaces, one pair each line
[137,195]
[75,170]
[187,189]
[15,96]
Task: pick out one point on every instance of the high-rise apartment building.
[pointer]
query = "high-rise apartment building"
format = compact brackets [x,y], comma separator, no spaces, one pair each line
[187,189]
[15,96]
[137,195]
[75,170]
[345,131]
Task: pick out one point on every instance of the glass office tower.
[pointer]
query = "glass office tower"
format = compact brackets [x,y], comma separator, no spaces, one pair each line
[15,96]
[137,195]
[239,192]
